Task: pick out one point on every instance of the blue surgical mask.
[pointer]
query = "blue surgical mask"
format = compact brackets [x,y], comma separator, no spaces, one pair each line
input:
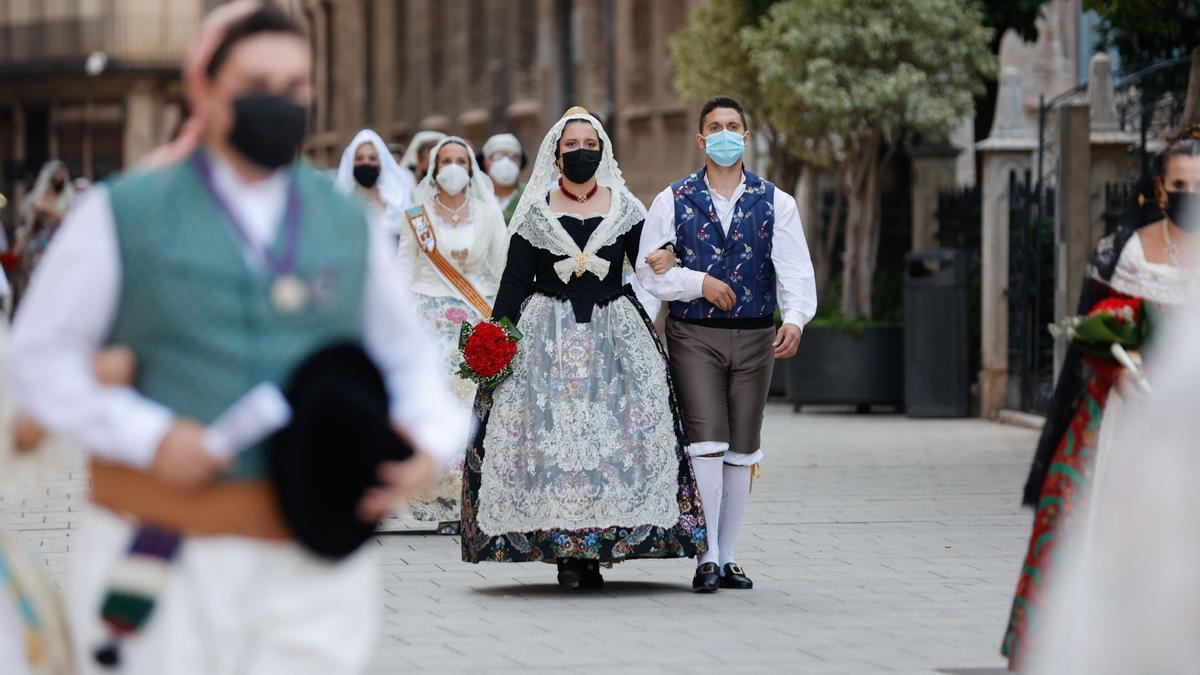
[725,147]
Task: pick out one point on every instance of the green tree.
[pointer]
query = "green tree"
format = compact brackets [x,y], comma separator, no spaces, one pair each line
[1144,31]
[710,56]
[852,82]
[713,29]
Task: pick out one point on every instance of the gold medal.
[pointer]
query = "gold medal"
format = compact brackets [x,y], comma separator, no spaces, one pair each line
[289,294]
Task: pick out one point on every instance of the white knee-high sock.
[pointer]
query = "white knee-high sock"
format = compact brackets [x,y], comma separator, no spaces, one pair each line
[709,475]
[735,491]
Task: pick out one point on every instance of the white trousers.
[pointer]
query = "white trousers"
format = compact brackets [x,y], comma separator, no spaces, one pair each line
[230,606]
[13,659]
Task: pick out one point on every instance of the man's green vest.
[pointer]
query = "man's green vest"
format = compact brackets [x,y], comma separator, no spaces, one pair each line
[198,314]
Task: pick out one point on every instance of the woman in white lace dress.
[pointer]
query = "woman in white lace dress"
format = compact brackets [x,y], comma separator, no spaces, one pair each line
[469,236]
[368,170]
[1073,469]
[581,459]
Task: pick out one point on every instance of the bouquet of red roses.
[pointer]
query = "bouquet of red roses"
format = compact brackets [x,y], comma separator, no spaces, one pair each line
[488,349]
[1115,320]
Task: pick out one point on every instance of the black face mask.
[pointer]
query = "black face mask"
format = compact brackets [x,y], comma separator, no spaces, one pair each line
[578,166]
[58,185]
[268,129]
[366,174]
[1183,208]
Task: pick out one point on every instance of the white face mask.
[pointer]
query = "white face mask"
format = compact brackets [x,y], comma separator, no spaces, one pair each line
[504,171]
[453,178]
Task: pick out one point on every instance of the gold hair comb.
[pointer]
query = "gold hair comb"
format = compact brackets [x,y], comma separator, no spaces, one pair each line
[575,110]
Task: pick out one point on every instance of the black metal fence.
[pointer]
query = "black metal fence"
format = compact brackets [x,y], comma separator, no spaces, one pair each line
[1030,293]
[1117,199]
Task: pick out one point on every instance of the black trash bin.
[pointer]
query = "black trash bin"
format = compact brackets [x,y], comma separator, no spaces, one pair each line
[936,333]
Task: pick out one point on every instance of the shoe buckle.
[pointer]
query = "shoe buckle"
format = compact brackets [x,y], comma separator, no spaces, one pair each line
[734,568]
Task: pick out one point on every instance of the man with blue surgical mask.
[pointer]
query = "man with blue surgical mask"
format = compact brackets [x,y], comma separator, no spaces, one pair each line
[741,254]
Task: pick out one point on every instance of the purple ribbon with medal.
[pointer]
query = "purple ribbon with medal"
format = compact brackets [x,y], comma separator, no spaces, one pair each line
[289,293]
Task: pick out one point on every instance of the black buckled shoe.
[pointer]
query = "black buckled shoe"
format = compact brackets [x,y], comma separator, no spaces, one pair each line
[707,578]
[570,573]
[735,577]
[590,578]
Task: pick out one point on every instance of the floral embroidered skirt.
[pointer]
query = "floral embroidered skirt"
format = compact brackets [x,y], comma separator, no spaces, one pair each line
[445,316]
[1064,497]
[581,454]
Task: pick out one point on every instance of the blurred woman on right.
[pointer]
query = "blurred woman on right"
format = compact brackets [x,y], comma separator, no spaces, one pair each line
[1144,261]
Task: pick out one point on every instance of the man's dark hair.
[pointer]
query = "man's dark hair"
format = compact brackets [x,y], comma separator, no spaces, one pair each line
[267,19]
[721,102]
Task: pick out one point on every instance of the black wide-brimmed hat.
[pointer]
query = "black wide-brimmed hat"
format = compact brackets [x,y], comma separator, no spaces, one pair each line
[328,456]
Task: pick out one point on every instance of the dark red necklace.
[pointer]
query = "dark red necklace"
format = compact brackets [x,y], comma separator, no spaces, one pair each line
[579,198]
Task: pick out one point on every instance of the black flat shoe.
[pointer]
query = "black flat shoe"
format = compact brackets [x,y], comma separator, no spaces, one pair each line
[449,528]
[735,577]
[591,579]
[570,573]
[707,578]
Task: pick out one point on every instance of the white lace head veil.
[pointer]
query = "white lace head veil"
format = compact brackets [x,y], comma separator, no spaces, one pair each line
[532,218]
[42,184]
[480,188]
[409,160]
[395,186]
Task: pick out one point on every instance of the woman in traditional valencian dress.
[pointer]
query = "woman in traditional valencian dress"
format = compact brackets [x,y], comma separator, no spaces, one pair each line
[415,161]
[1138,260]
[453,245]
[41,212]
[368,169]
[580,461]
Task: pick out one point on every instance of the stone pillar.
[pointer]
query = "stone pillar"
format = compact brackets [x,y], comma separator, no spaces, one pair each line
[1110,156]
[141,122]
[1008,148]
[934,169]
[1073,234]
[1191,107]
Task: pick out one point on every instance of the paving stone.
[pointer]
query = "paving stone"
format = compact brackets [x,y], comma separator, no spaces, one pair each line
[877,544]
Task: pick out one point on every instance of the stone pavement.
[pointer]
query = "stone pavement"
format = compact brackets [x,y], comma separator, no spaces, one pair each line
[878,545]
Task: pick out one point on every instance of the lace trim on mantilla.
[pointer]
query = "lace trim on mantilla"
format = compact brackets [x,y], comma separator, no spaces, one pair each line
[1164,284]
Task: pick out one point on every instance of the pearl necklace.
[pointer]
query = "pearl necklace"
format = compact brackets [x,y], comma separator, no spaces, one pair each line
[454,217]
[1172,249]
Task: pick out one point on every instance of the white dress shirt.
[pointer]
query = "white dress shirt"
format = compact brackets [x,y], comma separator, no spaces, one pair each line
[795,281]
[69,310]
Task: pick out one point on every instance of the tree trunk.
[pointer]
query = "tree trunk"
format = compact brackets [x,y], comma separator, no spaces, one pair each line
[823,238]
[787,172]
[861,176]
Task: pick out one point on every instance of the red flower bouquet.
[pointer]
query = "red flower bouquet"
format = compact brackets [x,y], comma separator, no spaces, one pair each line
[488,349]
[1115,320]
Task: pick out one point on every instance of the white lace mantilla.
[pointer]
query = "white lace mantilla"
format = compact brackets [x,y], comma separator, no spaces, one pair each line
[535,222]
[1163,284]
[541,228]
[582,434]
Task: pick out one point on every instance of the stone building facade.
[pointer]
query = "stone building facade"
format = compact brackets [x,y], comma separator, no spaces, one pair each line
[92,82]
[478,67]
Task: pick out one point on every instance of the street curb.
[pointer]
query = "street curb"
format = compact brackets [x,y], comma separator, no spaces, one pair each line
[1021,419]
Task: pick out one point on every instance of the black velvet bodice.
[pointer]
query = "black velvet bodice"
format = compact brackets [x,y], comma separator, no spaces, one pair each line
[531,270]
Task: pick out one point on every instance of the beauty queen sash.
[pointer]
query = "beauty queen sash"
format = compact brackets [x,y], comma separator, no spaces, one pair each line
[422,229]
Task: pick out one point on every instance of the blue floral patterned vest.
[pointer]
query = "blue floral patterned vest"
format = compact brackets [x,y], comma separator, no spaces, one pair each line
[741,259]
